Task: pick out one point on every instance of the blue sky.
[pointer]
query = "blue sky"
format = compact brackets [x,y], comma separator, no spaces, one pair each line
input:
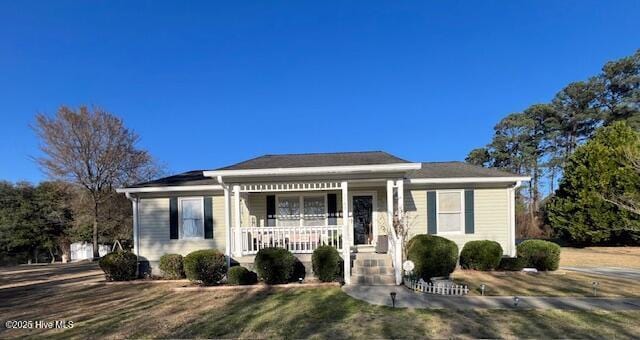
[206,84]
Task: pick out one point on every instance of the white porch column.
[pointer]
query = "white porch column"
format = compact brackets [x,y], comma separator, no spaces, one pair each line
[346,239]
[236,225]
[227,223]
[389,207]
[397,257]
[400,186]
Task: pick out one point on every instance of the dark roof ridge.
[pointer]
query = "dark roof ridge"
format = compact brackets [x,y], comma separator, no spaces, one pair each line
[322,153]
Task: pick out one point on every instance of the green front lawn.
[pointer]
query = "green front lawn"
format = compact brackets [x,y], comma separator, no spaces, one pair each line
[558,283]
[153,310]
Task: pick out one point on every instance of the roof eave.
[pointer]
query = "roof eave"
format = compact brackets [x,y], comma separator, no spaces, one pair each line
[448,180]
[392,167]
[152,189]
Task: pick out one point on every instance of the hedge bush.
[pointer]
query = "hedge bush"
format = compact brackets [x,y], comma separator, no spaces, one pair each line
[239,275]
[172,266]
[119,265]
[274,265]
[299,271]
[511,264]
[481,255]
[432,255]
[325,262]
[540,254]
[207,266]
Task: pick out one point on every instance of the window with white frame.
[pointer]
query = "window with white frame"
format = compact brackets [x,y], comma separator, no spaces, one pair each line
[191,218]
[315,211]
[450,208]
[288,214]
[294,211]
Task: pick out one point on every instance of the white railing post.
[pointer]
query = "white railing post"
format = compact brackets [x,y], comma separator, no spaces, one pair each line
[236,218]
[346,241]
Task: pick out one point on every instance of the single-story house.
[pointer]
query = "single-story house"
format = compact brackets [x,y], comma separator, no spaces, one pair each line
[301,201]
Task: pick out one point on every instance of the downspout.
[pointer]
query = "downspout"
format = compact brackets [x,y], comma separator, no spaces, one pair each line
[227,220]
[512,212]
[136,231]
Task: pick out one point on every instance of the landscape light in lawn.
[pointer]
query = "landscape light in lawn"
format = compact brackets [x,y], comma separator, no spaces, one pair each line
[300,280]
[516,300]
[482,287]
[595,285]
[393,299]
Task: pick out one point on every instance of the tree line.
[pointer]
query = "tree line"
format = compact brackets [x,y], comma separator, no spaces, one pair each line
[540,140]
[86,154]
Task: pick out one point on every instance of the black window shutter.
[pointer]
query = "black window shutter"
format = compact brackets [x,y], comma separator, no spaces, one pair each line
[469,223]
[208,217]
[332,208]
[173,218]
[432,227]
[271,210]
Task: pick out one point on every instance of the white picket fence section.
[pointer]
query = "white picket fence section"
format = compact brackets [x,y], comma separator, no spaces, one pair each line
[439,289]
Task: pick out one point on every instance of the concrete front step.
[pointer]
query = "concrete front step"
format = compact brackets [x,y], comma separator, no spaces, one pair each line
[372,269]
[372,262]
[373,280]
[372,256]
[360,270]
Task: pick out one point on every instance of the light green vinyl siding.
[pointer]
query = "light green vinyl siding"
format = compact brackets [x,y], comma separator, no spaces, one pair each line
[153,224]
[491,212]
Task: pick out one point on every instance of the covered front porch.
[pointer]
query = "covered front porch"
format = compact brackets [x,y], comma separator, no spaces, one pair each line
[301,216]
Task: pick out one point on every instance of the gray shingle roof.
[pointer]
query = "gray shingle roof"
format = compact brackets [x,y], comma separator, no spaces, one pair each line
[429,169]
[194,177]
[316,159]
[455,169]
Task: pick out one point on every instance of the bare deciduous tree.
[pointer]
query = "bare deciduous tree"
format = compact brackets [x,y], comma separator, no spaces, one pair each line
[92,148]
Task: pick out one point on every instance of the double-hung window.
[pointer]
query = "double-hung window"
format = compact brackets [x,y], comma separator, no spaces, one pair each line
[294,211]
[288,213]
[315,212]
[450,208]
[191,218]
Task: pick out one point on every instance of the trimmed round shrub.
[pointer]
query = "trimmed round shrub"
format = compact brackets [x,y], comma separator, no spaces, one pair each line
[325,262]
[119,265]
[540,254]
[274,265]
[207,266]
[514,264]
[481,255]
[432,255]
[172,266]
[239,275]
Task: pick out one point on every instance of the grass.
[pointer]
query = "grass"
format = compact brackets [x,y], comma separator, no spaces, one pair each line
[154,311]
[600,257]
[558,283]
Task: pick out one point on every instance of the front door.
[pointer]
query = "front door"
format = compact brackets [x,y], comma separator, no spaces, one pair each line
[362,219]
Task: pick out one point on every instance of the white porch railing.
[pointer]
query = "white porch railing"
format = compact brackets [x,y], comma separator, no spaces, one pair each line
[297,239]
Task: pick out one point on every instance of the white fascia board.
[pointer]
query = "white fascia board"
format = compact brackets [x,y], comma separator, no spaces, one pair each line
[467,180]
[169,189]
[316,170]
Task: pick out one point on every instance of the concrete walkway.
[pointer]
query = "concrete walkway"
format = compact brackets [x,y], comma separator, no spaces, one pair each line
[405,298]
[623,273]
